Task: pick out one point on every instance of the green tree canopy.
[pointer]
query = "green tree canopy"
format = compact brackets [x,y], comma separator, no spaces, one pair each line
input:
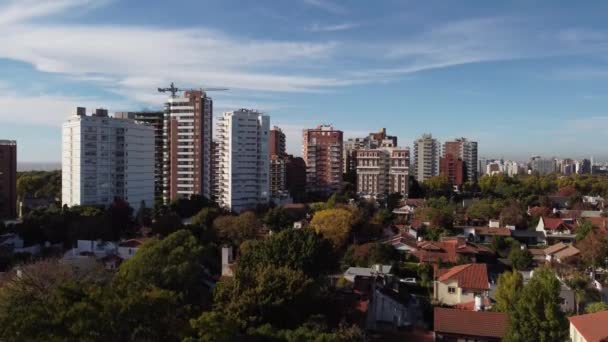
[536,315]
[508,288]
[334,224]
[237,229]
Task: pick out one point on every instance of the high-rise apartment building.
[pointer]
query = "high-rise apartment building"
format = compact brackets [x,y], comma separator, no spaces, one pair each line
[278,170]
[278,177]
[8,179]
[427,151]
[277,142]
[295,169]
[104,159]
[154,119]
[372,141]
[322,152]
[465,150]
[542,166]
[382,171]
[243,168]
[453,168]
[187,145]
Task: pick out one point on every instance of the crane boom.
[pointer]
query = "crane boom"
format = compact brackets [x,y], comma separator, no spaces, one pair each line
[174,90]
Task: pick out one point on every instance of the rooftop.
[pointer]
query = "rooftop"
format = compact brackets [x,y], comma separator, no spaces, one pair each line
[469,276]
[470,323]
[592,326]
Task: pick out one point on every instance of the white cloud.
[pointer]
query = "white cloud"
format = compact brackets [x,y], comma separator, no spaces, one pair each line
[327,6]
[332,28]
[15,11]
[47,110]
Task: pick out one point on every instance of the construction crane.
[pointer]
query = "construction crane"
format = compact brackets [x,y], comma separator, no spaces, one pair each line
[174,90]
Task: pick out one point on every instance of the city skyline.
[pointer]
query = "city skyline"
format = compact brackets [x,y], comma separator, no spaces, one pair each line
[516,78]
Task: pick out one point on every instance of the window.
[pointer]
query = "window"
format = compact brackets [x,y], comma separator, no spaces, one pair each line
[451,290]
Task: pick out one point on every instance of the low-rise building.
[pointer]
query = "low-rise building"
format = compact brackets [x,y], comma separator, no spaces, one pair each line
[485,234]
[462,325]
[461,284]
[560,229]
[560,252]
[589,328]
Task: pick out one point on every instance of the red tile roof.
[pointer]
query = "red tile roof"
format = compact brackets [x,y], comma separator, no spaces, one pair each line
[470,323]
[493,231]
[469,276]
[592,326]
[448,250]
[553,223]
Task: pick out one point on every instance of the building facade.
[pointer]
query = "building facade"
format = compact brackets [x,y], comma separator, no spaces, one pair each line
[542,166]
[187,146]
[465,150]
[243,165]
[427,151]
[8,179]
[322,152]
[104,159]
[154,119]
[453,168]
[374,140]
[277,142]
[278,176]
[382,171]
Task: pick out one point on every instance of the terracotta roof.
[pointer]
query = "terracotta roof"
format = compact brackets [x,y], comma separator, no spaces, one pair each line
[493,231]
[448,250]
[555,248]
[591,326]
[469,276]
[470,323]
[567,252]
[470,306]
[552,223]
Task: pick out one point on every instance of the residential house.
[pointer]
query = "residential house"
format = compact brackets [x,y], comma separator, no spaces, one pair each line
[589,328]
[485,234]
[560,252]
[402,242]
[353,272]
[451,250]
[462,325]
[391,307]
[556,229]
[461,284]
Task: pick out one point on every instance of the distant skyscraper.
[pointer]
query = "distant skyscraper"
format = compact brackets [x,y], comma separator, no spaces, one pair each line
[322,152]
[8,179]
[465,150]
[542,166]
[243,172]
[426,157]
[585,166]
[154,119]
[277,142]
[105,158]
[187,146]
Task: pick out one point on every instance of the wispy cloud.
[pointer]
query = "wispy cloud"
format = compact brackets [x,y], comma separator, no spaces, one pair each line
[327,6]
[332,28]
[15,11]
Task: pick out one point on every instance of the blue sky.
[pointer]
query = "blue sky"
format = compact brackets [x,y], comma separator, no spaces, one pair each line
[520,77]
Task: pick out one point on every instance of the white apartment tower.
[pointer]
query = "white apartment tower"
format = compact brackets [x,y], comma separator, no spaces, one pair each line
[243,161]
[187,144]
[104,159]
[427,151]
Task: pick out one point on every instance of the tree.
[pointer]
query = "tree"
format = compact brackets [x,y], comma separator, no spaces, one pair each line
[298,249]
[174,264]
[277,219]
[583,229]
[482,210]
[369,254]
[513,215]
[437,185]
[166,222]
[334,224]
[596,307]
[267,294]
[521,259]
[594,249]
[509,287]
[237,229]
[536,315]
